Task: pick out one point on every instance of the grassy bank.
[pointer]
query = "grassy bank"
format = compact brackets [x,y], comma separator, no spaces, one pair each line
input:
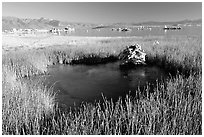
[172,109]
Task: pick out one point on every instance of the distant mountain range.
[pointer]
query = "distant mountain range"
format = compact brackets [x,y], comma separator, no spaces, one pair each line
[44,23]
[13,22]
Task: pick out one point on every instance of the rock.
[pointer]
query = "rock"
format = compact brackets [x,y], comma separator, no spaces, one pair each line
[132,55]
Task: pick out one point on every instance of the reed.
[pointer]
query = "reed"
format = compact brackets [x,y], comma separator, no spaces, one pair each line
[175,107]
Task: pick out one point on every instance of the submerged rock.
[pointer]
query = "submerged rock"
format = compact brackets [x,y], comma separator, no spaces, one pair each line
[133,55]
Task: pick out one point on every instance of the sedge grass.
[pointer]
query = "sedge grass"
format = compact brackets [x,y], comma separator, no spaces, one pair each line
[173,108]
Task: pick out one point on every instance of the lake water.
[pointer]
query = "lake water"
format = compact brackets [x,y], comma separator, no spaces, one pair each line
[156,31]
[75,84]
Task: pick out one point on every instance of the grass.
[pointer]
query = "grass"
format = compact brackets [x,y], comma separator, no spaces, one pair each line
[23,104]
[175,107]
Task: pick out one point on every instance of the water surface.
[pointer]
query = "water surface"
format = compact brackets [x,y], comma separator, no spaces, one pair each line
[86,83]
[155,31]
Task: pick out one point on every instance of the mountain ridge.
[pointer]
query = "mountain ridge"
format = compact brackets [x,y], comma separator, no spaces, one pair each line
[9,22]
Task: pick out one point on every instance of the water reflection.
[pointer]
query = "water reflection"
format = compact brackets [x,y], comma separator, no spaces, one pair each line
[155,31]
[81,83]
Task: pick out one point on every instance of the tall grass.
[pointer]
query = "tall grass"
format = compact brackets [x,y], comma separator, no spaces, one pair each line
[175,107]
[22,104]
[173,110]
[177,54]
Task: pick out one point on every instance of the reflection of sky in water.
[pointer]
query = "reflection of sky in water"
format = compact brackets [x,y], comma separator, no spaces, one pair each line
[158,31]
[86,83]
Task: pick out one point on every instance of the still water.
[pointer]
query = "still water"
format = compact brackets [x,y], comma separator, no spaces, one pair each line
[75,84]
[157,31]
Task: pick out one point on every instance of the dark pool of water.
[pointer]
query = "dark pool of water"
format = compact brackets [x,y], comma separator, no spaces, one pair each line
[86,83]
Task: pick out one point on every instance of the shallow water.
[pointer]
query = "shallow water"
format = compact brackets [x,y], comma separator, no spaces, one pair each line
[82,83]
[157,31]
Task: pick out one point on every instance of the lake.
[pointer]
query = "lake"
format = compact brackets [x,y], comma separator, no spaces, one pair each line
[156,31]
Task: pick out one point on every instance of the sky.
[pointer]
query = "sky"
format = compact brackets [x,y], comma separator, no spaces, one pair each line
[105,12]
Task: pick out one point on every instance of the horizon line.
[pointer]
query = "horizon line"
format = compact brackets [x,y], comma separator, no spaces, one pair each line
[106,22]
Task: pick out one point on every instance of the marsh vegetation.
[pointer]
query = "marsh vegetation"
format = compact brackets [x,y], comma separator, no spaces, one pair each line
[175,107]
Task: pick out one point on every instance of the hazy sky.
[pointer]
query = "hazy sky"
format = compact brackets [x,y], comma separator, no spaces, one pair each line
[104,12]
